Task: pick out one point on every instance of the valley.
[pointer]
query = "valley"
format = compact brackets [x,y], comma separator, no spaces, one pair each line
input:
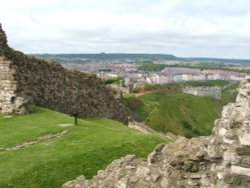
[180,113]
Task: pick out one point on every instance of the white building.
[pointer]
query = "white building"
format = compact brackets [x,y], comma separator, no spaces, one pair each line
[177,78]
[187,77]
[112,75]
[213,77]
[164,79]
[152,79]
[237,78]
[199,77]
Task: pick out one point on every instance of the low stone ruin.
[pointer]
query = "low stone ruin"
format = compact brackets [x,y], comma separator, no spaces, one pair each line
[38,140]
[214,92]
[221,160]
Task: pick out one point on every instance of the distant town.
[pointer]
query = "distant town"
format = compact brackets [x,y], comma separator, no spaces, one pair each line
[135,78]
[133,71]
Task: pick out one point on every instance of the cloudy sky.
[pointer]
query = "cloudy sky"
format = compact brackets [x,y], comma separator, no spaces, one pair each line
[186,28]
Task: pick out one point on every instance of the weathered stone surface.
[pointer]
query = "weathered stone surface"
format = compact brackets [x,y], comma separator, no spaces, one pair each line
[214,92]
[219,161]
[26,80]
[38,140]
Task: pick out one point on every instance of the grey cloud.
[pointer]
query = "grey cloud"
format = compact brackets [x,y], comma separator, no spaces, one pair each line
[182,29]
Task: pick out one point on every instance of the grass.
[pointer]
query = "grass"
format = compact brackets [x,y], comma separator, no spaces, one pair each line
[178,87]
[206,83]
[19,129]
[229,94]
[180,113]
[89,147]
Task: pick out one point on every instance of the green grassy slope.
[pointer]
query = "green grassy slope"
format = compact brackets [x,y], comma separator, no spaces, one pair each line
[229,94]
[181,85]
[180,113]
[89,147]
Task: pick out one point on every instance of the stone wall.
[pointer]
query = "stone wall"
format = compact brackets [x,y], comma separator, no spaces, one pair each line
[214,92]
[219,161]
[9,101]
[7,85]
[26,80]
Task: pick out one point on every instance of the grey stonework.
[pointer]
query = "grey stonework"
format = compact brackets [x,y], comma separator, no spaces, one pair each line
[214,92]
[26,80]
[9,101]
[219,161]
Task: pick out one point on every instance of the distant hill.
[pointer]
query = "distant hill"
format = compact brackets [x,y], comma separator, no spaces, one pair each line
[219,60]
[110,56]
[136,57]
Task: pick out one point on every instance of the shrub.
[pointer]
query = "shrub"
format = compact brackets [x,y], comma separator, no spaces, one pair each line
[134,103]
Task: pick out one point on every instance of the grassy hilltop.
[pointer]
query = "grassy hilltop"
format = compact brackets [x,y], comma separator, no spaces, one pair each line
[88,147]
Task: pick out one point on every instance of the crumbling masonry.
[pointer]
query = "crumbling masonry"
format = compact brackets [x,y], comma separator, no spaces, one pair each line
[25,80]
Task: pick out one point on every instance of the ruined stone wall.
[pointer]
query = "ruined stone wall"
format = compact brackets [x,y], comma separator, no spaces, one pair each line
[7,86]
[230,142]
[214,92]
[219,161]
[27,80]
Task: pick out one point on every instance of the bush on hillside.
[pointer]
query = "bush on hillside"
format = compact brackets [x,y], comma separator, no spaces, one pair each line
[113,81]
[133,103]
[136,90]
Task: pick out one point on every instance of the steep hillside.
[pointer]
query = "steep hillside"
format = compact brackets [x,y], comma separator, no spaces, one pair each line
[26,80]
[87,148]
[179,113]
[229,94]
